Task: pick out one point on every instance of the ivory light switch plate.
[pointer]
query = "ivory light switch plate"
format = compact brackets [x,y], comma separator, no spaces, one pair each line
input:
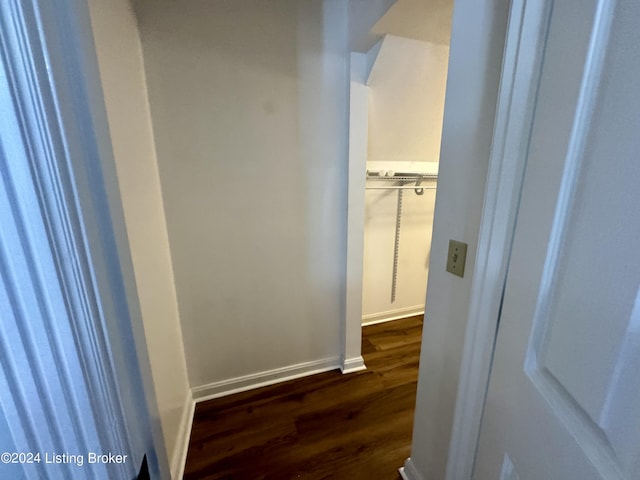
[457,257]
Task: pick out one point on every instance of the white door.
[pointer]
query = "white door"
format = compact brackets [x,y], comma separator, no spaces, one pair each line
[564,396]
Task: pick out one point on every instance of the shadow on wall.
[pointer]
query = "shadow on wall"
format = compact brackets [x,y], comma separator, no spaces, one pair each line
[249,106]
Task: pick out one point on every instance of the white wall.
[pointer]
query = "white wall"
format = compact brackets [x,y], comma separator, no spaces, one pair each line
[477,42]
[121,70]
[413,258]
[249,106]
[429,21]
[406,101]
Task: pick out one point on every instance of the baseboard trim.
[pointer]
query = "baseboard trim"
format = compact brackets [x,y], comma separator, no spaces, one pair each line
[409,472]
[263,379]
[375,318]
[352,365]
[402,473]
[179,457]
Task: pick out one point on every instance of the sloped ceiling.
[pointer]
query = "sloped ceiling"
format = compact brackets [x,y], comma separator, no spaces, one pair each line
[425,20]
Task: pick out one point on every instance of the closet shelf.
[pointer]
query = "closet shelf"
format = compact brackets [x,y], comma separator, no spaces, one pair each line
[402,178]
[405,177]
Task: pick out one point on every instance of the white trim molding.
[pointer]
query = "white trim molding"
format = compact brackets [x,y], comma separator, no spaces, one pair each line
[179,456]
[382,317]
[524,47]
[352,365]
[81,356]
[262,379]
[409,472]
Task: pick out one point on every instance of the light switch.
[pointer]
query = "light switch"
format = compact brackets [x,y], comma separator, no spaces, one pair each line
[457,257]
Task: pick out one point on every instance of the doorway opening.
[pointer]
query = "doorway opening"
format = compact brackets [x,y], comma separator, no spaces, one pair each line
[397,104]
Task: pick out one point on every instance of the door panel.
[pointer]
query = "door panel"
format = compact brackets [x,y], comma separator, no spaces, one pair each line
[563,399]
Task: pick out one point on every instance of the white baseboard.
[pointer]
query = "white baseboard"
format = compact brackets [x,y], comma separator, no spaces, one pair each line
[374,318]
[409,472]
[352,365]
[262,379]
[179,457]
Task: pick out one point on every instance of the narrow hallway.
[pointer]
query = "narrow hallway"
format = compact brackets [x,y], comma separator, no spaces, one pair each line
[323,426]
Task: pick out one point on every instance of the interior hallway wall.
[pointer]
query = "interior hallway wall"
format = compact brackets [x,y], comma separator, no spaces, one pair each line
[123,81]
[406,104]
[249,106]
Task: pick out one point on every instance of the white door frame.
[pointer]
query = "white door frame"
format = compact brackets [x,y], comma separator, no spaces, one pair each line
[516,100]
[521,67]
[494,238]
[49,58]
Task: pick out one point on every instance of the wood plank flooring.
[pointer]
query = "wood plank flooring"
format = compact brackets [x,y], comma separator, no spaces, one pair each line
[327,426]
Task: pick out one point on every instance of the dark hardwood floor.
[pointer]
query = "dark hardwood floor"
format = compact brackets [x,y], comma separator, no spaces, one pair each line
[327,426]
